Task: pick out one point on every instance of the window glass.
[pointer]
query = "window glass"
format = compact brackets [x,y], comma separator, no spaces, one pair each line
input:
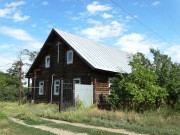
[69,57]
[41,87]
[77,80]
[56,87]
[47,61]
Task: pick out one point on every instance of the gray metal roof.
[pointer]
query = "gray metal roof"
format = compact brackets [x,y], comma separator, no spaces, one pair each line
[98,55]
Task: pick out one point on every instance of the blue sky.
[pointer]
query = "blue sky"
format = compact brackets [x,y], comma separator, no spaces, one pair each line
[131,25]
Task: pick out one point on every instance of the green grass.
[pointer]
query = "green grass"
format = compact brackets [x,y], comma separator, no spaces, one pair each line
[17,129]
[82,130]
[164,122]
[8,127]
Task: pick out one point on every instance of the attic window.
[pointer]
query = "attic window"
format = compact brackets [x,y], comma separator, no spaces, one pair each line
[47,61]
[69,57]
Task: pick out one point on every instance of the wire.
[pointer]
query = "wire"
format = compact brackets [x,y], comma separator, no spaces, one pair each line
[160,14]
[147,27]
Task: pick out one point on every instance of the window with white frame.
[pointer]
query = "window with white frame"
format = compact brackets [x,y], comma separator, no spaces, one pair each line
[109,84]
[47,61]
[77,80]
[56,87]
[41,87]
[69,57]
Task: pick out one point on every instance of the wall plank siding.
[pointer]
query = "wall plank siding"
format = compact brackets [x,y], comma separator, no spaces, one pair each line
[78,69]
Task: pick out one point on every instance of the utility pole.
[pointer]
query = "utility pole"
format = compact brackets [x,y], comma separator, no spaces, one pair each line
[20,77]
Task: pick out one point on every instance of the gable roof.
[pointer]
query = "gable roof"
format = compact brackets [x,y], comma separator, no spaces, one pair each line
[98,55]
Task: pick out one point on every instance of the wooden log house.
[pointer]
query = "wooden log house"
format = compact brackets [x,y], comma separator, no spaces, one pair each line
[74,59]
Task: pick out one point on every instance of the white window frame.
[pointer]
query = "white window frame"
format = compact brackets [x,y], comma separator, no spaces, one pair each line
[56,93]
[79,79]
[41,88]
[47,65]
[68,53]
[110,83]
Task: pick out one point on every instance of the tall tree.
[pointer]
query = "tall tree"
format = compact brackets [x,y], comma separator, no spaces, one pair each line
[119,96]
[142,81]
[139,86]
[173,86]
[8,87]
[168,75]
[31,55]
[14,70]
[162,64]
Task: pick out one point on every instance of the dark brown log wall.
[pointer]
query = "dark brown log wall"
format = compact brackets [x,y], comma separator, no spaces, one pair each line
[78,69]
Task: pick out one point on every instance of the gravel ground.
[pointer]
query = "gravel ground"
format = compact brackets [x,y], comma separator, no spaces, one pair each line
[45,128]
[64,132]
[122,131]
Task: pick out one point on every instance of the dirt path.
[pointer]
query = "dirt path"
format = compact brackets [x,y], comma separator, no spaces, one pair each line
[122,131]
[50,129]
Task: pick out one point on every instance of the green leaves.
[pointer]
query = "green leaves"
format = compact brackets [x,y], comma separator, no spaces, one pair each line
[142,80]
[8,87]
[150,81]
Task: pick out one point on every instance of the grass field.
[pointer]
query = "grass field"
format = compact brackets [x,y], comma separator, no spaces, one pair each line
[165,121]
[8,127]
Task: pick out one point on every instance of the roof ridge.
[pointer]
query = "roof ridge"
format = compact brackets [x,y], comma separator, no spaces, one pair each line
[98,55]
[97,42]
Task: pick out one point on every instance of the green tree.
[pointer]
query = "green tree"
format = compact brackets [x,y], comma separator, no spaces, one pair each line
[14,69]
[141,83]
[8,87]
[119,96]
[31,55]
[14,72]
[168,76]
[173,86]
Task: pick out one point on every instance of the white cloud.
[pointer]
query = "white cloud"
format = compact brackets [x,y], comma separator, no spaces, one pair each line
[15,33]
[81,15]
[6,58]
[114,29]
[155,4]
[12,12]
[129,18]
[92,21]
[6,46]
[106,16]
[174,53]
[138,43]
[45,3]
[21,35]
[18,17]
[5,63]
[96,7]
[4,12]
[15,4]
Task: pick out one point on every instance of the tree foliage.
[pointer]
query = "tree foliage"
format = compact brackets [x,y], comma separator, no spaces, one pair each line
[119,95]
[14,70]
[168,75]
[31,55]
[8,87]
[150,82]
[9,82]
[141,83]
